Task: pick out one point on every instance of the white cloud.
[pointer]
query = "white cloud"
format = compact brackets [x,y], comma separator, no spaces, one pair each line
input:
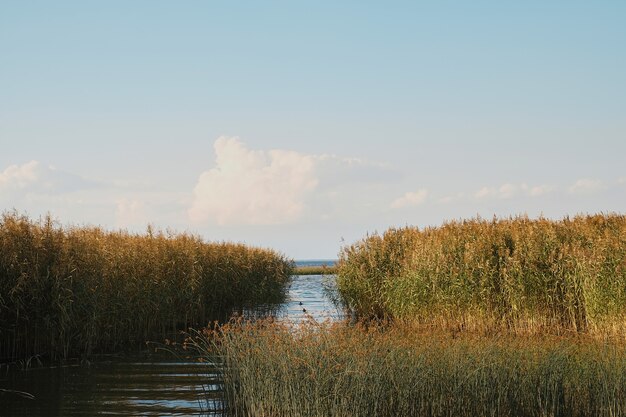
[622,180]
[485,192]
[508,190]
[504,191]
[253,187]
[20,176]
[586,186]
[33,176]
[538,190]
[410,199]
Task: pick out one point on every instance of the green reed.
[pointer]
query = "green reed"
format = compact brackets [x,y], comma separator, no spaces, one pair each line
[78,290]
[515,273]
[329,370]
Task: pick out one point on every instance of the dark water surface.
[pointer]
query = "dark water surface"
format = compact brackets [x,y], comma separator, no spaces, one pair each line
[140,385]
[157,384]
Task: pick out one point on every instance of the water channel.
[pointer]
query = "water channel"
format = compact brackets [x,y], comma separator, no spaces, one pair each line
[148,384]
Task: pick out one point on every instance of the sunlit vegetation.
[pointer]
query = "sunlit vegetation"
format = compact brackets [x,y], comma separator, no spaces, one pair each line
[271,369]
[516,274]
[76,290]
[503,317]
[316,270]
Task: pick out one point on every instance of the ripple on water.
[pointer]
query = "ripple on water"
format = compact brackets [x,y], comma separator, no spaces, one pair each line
[144,386]
[307,298]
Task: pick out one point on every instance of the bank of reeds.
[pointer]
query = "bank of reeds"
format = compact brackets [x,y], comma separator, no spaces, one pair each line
[315,270]
[328,370]
[78,290]
[516,273]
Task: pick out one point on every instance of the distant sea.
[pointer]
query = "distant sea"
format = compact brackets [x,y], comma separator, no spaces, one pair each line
[316,262]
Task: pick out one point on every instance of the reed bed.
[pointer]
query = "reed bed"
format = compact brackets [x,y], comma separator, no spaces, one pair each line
[272,369]
[519,274]
[315,270]
[78,290]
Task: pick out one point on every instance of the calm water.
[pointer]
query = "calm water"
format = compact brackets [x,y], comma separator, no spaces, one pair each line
[142,385]
[151,385]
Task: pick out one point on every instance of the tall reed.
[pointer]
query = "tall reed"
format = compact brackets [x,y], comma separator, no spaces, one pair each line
[514,273]
[77,290]
[316,370]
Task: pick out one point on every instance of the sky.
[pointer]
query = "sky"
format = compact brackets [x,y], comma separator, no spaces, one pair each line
[305,126]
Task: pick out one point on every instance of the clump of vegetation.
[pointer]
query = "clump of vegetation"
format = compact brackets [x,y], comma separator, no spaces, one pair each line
[315,270]
[78,290]
[516,273]
[272,369]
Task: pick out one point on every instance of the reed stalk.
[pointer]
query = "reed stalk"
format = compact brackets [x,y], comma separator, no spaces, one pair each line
[272,369]
[516,274]
[67,291]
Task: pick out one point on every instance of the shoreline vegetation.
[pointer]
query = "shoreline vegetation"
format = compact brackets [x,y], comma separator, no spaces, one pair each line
[315,270]
[74,291]
[512,317]
[514,275]
[390,370]
[503,317]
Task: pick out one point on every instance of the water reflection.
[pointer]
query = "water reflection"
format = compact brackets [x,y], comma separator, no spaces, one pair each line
[310,296]
[140,386]
[143,385]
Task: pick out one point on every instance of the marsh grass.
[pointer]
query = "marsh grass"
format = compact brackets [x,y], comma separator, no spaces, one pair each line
[519,274]
[272,369]
[78,290]
[315,270]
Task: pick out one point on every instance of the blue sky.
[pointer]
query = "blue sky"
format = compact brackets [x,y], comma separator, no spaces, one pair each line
[304,126]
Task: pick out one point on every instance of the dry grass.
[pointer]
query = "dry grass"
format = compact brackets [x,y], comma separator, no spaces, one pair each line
[71,291]
[516,274]
[329,370]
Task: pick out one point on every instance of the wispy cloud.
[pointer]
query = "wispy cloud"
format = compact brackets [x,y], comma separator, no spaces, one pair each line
[410,199]
[20,176]
[537,190]
[505,191]
[586,186]
[509,190]
[332,169]
[34,176]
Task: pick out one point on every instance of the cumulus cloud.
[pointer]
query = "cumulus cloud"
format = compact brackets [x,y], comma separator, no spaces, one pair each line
[586,186]
[253,187]
[410,199]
